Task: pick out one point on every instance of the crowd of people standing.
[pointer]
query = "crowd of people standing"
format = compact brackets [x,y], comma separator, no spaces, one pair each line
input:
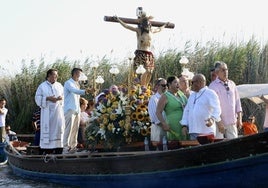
[179,109]
[187,110]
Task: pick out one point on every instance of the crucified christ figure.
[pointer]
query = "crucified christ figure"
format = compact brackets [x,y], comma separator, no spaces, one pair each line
[144,32]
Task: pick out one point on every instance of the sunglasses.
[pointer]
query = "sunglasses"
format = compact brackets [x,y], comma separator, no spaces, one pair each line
[194,81]
[226,86]
[164,85]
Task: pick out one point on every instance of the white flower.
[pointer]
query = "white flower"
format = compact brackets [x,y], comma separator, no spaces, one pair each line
[123,98]
[100,107]
[119,110]
[101,132]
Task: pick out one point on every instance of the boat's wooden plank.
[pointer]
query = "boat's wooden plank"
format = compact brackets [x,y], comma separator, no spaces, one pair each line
[20,148]
[93,154]
[25,135]
[186,143]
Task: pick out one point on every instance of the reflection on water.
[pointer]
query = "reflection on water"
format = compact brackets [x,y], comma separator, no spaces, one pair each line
[9,180]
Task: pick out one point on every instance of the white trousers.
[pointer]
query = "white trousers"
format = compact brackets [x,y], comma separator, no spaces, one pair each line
[157,133]
[230,132]
[72,120]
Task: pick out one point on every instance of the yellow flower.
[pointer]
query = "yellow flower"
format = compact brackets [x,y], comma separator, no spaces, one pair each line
[141,97]
[113,117]
[103,110]
[147,119]
[122,123]
[143,107]
[138,110]
[132,92]
[134,116]
[110,127]
[127,126]
[143,132]
[115,104]
[140,117]
[109,110]
[102,126]
[105,120]
[106,116]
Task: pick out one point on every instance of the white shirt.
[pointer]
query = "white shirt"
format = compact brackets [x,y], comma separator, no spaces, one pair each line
[152,108]
[84,117]
[3,117]
[72,94]
[201,106]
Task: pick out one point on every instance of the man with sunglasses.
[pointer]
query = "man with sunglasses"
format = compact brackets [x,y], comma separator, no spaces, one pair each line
[157,132]
[230,103]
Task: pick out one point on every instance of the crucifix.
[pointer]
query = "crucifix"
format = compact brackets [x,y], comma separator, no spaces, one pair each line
[144,30]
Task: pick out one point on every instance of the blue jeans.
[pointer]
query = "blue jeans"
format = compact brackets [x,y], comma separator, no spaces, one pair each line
[37,138]
[265,129]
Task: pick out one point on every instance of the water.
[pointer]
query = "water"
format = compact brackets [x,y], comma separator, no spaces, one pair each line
[9,180]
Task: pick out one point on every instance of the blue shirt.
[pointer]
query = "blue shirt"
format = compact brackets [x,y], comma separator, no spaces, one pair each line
[72,94]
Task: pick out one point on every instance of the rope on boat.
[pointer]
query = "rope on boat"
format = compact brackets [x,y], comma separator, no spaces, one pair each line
[48,158]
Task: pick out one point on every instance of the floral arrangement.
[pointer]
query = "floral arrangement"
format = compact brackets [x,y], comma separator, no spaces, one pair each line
[140,120]
[120,118]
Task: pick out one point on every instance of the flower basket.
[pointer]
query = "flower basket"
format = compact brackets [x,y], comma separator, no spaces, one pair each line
[120,119]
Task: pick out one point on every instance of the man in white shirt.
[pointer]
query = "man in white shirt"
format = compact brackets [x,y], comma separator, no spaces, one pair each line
[72,112]
[157,132]
[202,111]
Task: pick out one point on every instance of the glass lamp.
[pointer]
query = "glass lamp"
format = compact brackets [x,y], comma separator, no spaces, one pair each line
[184,60]
[114,71]
[99,80]
[83,79]
[140,70]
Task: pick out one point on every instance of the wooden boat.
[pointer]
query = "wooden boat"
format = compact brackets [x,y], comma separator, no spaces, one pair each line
[240,162]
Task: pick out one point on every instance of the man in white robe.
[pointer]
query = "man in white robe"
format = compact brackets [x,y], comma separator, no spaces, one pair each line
[49,96]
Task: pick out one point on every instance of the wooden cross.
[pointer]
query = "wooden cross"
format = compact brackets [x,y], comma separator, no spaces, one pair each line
[136,21]
[143,56]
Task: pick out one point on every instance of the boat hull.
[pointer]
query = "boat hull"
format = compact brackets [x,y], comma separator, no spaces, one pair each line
[241,162]
[248,172]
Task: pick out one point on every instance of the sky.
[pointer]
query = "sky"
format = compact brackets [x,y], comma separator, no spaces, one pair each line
[31,29]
